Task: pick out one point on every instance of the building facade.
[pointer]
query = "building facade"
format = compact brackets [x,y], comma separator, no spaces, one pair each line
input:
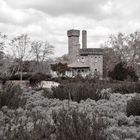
[83,61]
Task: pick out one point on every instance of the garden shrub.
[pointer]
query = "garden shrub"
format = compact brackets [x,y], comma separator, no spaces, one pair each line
[41,130]
[105,93]
[47,93]
[123,72]
[10,96]
[127,87]
[66,124]
[35,79]
[73,125]
[133,106]
[25,76]
[77,91]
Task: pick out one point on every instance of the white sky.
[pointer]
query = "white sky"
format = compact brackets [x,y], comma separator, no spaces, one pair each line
[50,19]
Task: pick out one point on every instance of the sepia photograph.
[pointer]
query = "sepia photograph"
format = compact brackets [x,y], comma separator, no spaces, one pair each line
[69,70]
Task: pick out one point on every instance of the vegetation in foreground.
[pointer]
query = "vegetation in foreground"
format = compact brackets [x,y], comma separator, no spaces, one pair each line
[40,118]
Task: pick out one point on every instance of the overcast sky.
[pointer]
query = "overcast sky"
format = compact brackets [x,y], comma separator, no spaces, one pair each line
[50,19]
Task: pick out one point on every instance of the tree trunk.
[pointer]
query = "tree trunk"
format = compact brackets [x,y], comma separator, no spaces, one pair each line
[21,75]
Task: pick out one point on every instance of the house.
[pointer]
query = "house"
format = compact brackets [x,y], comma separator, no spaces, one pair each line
[83,61]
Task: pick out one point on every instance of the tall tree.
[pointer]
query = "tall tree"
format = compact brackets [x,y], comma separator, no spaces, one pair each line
[4,63]
[3,38]
[109,60]
[126,47]
[41,51]
[21,50]
[122,47]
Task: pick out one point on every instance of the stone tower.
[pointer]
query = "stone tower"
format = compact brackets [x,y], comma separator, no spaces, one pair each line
[73,45]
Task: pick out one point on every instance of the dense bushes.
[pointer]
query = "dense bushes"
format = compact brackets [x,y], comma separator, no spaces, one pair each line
[73,125]
[126,87]
[133,106]
[41,130]
[123,72]
[65,124]
[77,91]
[36,79]
[10,96]
[17,77]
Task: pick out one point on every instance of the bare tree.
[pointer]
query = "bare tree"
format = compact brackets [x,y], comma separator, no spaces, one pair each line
[21,50]
[3,57]
[62,59]
[41,52]
[3,38]
[126,47]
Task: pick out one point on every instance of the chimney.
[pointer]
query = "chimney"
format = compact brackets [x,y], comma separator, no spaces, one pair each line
[84,39]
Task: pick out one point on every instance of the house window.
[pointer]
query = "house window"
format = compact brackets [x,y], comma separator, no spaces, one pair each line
[95,71]
[83,59]
[78,71]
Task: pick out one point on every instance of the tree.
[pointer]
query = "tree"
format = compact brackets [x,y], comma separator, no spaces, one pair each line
[4,61]
[60,68]
[41,52]
[121,47]
[3,38]
[126,47]
[21,50]
[109,60]
[123,72]
[62,59]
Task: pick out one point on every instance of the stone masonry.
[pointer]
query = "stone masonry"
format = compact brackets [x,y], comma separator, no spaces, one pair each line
[83,60]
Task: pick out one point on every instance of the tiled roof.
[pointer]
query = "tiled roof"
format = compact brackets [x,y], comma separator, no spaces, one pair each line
[91,51]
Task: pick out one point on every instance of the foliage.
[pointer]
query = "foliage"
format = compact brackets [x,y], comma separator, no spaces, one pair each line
[67,124]
[25,76]
[126,47]
[60,68]
[41,130]
[133,106]
[109,60]
[122,72]
[63,59]
[36,79]
[11,96]
[77,91]
[126,87]
[34,121]
[119,48]
[73,125]
[3,38]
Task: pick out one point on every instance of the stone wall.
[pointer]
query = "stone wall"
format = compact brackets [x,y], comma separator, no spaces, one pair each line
[73,45]
[95,62]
